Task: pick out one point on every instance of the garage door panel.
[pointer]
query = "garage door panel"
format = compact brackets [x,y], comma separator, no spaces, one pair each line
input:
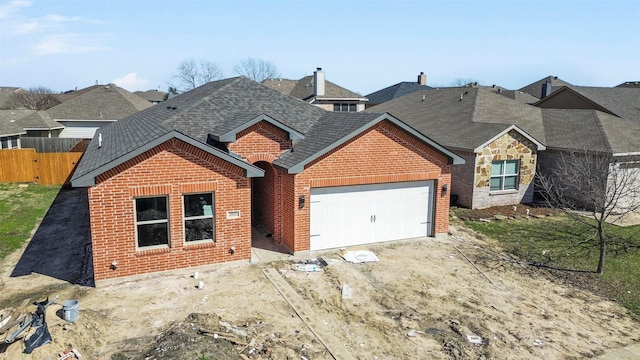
[352,215]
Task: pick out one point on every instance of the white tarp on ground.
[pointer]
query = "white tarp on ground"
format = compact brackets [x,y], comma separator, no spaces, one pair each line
[359,256]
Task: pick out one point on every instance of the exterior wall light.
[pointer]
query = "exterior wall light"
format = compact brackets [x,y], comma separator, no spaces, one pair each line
[301,201]
[445,187]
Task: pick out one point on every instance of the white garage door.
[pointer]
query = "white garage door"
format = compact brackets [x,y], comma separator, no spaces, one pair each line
[352,215]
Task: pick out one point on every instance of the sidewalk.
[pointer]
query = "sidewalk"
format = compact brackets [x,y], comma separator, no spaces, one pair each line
[631,352]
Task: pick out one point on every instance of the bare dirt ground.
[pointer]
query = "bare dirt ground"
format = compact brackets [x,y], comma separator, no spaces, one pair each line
[419,301]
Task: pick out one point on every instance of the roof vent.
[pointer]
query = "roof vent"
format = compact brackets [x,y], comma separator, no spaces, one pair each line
[461,97]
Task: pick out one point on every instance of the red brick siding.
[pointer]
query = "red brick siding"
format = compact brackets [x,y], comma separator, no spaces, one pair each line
[263,197]
[261,142]
[170,169]
[381,154]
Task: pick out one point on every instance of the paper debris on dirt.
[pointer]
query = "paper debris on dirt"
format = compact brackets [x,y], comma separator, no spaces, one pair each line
[310,265]
[347,292]
[359,256]
[474,339]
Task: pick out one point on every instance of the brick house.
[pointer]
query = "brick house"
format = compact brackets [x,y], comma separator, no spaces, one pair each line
[181,184]
[317,90]
[487,130]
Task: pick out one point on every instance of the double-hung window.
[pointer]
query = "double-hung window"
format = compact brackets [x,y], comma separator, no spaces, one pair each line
[504,175]
[198,217]
[152,221]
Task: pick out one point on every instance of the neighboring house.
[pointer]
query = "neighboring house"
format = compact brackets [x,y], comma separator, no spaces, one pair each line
[7,94]
[83,114]
[623,102]
[40,124]
[397,90]
[153,96]
[10,129]
[181,184]
[486,129]
[318,91]
[544,86]
[517,95]
[632,84]
[595,119]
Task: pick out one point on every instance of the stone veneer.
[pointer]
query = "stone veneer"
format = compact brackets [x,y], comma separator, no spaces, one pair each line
[510,146]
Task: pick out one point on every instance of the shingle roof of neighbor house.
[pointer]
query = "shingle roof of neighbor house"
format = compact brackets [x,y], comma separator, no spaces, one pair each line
[215,110]
[9,124]
[630,84]
[303,89]
[620,101]
[395,91]
[104,102]
[154,96]
[39,120]
[464,118]
[599,131]
[535,88]
[6,92]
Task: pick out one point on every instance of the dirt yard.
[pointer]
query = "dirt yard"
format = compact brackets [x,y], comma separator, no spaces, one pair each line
[422,300]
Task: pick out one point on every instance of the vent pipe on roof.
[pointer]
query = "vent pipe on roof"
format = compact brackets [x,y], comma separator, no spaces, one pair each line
[422,78]
[99,140]
[318,82]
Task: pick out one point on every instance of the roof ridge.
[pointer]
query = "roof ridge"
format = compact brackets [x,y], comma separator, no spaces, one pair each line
[603,130]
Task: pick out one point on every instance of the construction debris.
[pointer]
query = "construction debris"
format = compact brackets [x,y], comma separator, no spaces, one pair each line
[359,256]
[311,265]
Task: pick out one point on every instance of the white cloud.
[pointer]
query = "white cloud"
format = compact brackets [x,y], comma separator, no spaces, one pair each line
[132,82]
[6,10]
[70,44]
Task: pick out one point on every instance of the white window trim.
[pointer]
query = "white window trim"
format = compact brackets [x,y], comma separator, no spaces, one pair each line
[503,176]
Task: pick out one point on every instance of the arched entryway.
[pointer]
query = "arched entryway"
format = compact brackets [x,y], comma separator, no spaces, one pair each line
[265,207]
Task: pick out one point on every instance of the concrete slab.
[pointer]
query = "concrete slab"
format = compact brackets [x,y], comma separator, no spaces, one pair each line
[631,352]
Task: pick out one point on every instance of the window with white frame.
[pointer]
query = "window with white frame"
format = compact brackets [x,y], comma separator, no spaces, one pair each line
[504,175]
[344,107]
[152,221]
[198,217]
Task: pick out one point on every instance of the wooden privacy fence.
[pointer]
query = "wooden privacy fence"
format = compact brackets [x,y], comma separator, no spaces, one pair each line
[26,165]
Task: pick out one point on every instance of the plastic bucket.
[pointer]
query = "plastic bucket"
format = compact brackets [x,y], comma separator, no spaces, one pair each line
[70,310]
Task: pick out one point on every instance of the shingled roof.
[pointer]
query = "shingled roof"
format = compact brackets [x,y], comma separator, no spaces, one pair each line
[213,111]
[39,120]
[9,124]
[602,132]
[623,102]
[395,91]
[535,88]
[106,102]
[464,118]
[303,89]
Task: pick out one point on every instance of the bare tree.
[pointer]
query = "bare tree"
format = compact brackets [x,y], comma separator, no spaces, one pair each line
[192,74]
[34,98]
[601,186]
[459,82]
[256,69]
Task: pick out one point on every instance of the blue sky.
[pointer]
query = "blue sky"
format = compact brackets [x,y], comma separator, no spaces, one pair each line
[361,45]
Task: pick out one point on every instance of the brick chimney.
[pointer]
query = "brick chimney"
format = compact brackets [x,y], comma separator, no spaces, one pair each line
[422,78]
[318,82]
